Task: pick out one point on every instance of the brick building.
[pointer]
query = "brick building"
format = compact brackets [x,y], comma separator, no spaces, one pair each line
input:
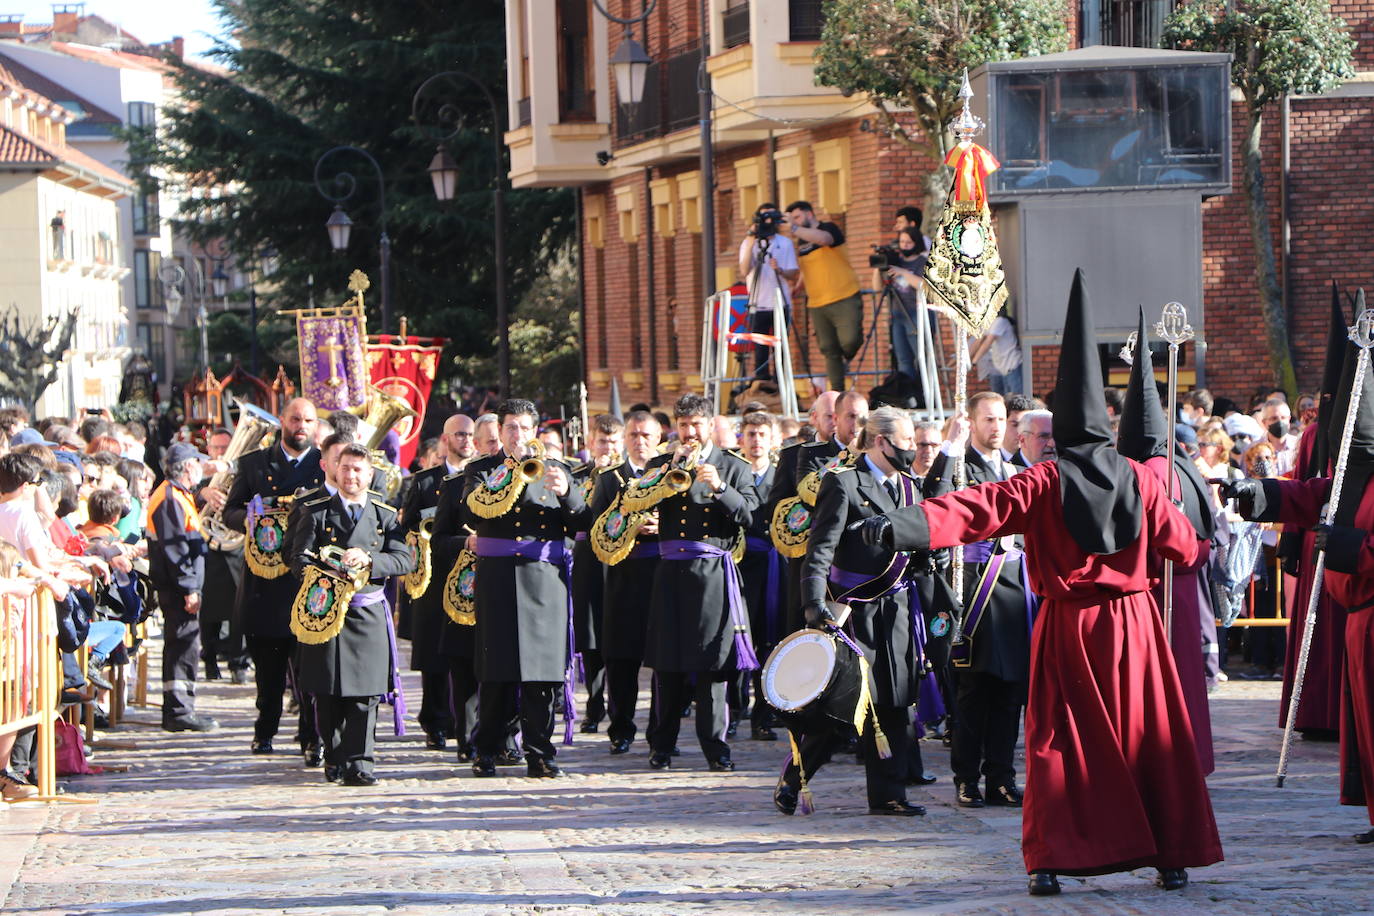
[779,137]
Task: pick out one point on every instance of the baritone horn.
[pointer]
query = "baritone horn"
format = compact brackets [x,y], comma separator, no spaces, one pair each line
[255,425]
[377,416]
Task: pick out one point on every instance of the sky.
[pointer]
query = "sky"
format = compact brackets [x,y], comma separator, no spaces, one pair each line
[149,20]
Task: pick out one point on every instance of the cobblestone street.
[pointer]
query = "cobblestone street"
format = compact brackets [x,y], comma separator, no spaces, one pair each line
[197,825]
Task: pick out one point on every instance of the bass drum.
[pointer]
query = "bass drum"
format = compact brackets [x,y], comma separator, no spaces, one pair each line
[812,679]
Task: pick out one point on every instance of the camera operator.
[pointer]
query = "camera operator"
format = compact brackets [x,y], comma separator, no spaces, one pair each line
[832,288]
[902,267]
[766,259]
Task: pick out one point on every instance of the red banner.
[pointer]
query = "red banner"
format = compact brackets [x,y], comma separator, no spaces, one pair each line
[405,367]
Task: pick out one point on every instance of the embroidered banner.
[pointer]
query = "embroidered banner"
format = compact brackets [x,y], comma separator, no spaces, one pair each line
[333,368]
[406,367]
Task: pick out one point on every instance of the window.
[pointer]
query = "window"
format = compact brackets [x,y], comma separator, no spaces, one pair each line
[749,180]
[146,217]
[1125,23]
[152,342]
[832,175]
[147,286]
[626,206]
[143,114]
[689,197]
[594,209]
[576,98]
[663,193]
[805,19]
[791,166]
[735,23]
[59,236]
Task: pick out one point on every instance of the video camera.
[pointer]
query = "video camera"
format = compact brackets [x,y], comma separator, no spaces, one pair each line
[884,256]
[767,222]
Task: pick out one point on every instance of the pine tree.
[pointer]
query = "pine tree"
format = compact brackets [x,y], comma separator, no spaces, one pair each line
[307,76]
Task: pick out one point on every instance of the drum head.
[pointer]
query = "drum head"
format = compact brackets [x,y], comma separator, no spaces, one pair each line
[799,670]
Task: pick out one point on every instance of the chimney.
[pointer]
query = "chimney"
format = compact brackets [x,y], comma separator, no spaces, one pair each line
[177,46]
[66,17]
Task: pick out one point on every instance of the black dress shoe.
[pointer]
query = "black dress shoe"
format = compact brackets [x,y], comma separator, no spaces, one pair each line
[435,741]
[359,778]
[722,764]
[922,779]
[785,797]
[312,755]
[211,671]
[731,730]
[1367,837]
[239,676]
[675,752]
[763,733]
[899,808]
[1007,796]
[1172,879]
[262,747]
[659,761]
[1043,884]
[192,723]
[539,768]
[620,747]
[509,758]
[589,727]
[332,774]
[465,753]
[483,766]
[966,795]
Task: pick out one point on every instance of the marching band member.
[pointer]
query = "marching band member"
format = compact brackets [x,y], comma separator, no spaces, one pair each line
[624,611]
[696,606]
[347,674]
[761,570]
[607,443]
[267,480]
[821,417]
[437,704]
[521,595]
[838,563]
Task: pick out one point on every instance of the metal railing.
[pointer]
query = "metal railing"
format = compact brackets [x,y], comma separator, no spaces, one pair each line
[734,25]
[30,679]
[805,19]
[670,97]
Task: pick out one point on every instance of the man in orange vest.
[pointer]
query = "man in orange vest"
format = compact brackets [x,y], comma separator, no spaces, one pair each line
[176,565]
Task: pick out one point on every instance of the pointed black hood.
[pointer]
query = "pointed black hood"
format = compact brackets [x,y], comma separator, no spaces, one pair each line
[1359,468]
[1100,493]
[1337,342]
[1143,433]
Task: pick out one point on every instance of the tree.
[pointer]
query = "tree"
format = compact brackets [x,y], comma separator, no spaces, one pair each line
[909,56]
[31,352]
[305,76]
[1278,47]
[543,341]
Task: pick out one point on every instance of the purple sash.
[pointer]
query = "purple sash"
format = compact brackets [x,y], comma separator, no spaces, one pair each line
[554,553]
[395,697]
[961,653]
[745,659]
[929,706]
[978,551]
[643,551]
[774,583]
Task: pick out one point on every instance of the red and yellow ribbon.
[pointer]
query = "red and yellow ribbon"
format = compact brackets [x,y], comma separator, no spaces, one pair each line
[972,165]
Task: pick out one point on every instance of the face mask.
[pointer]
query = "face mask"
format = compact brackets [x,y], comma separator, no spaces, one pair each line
[1278,429]
[1183,416]
[1266,467]
[901,458]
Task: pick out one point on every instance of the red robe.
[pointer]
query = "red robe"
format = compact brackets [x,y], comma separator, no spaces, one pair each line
[1112,777]
[1302,501]
[1320,706]
[1186,637]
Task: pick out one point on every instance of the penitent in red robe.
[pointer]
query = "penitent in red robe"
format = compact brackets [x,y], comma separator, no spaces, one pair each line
[1301,503]
[1112,777]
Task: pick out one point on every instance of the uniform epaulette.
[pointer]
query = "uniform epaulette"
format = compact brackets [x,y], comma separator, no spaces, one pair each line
[839,468]
[371,492]
[448,477]
[379,500]
[318,500]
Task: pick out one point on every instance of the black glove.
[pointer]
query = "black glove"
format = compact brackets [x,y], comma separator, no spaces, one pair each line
[816,614]
[1242,489]
[876,530]
[1320,532]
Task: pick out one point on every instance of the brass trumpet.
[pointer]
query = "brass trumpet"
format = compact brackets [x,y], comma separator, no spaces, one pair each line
[532,469]
[681,475]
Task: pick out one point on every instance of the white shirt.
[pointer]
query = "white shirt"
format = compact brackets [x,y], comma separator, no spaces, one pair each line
[879,475]
[996,462]
[20,525]
[780,249]
[1005,353]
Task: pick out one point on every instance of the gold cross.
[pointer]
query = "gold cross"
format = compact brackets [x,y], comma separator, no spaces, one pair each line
[333,348]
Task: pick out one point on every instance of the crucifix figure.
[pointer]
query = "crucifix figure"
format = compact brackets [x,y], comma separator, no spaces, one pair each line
[332,347]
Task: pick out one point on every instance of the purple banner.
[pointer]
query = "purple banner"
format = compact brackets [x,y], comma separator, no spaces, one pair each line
[334,371]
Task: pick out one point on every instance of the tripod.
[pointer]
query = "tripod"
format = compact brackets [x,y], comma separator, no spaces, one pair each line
[923,328]
[766,366]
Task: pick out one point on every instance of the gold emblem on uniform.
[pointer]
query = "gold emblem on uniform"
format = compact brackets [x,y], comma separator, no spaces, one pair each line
[416,581]
[497,492]
[264,547]
[460,590]
[327,588]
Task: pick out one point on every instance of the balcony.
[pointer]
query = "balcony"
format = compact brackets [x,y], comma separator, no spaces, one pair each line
[735,24]
[670,98]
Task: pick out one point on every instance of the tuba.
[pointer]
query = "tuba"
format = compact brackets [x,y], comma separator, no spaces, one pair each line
[499,491]
[255,425]
[663,481]
[376,417]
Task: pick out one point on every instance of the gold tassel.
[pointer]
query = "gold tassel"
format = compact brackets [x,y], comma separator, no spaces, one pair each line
[805,803]
[865,712]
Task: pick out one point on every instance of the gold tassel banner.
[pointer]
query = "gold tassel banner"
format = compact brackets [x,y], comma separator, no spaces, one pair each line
[417,581]
[460,590]
[320,608]
[264,547]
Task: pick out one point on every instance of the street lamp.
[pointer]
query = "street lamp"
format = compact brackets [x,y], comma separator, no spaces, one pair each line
[443,172]
[339,225]
[630,62]
[219,280]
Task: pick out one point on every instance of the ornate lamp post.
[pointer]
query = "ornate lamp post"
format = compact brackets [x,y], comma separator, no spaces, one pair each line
[339,226]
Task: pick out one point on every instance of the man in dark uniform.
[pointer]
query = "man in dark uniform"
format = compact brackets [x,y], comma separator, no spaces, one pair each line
[275,474]
[761,572]
[521,593]
[993,668]
[821,417]
[624,609]
[347,674]
[607,443]
[696,606]
[221,632]
[427,612]
[176,565]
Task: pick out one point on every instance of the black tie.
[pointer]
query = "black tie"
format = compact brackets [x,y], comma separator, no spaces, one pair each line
[354,512]
[892,492]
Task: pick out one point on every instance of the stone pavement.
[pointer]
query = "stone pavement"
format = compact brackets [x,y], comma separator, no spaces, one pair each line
[197,825]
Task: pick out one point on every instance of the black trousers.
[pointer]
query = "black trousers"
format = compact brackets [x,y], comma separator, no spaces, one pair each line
[347,727]
[594,671]
[273,660]
[885,780]
[436,705]
[674,693]
[463,700]
[180,653]
[622,692]
[984,735]
[536,702]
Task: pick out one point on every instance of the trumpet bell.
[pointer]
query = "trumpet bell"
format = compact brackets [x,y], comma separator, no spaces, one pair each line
[678,480]
[531,469]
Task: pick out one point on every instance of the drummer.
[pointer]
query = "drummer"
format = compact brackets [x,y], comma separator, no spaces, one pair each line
[839,563]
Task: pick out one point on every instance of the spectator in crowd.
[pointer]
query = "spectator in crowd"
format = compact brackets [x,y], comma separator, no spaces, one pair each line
[906,281]
[832,289]
[1195,407]
[769,267]
[928,440]
[1034,437]
[997,356]
[1276,421]
[12,420]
